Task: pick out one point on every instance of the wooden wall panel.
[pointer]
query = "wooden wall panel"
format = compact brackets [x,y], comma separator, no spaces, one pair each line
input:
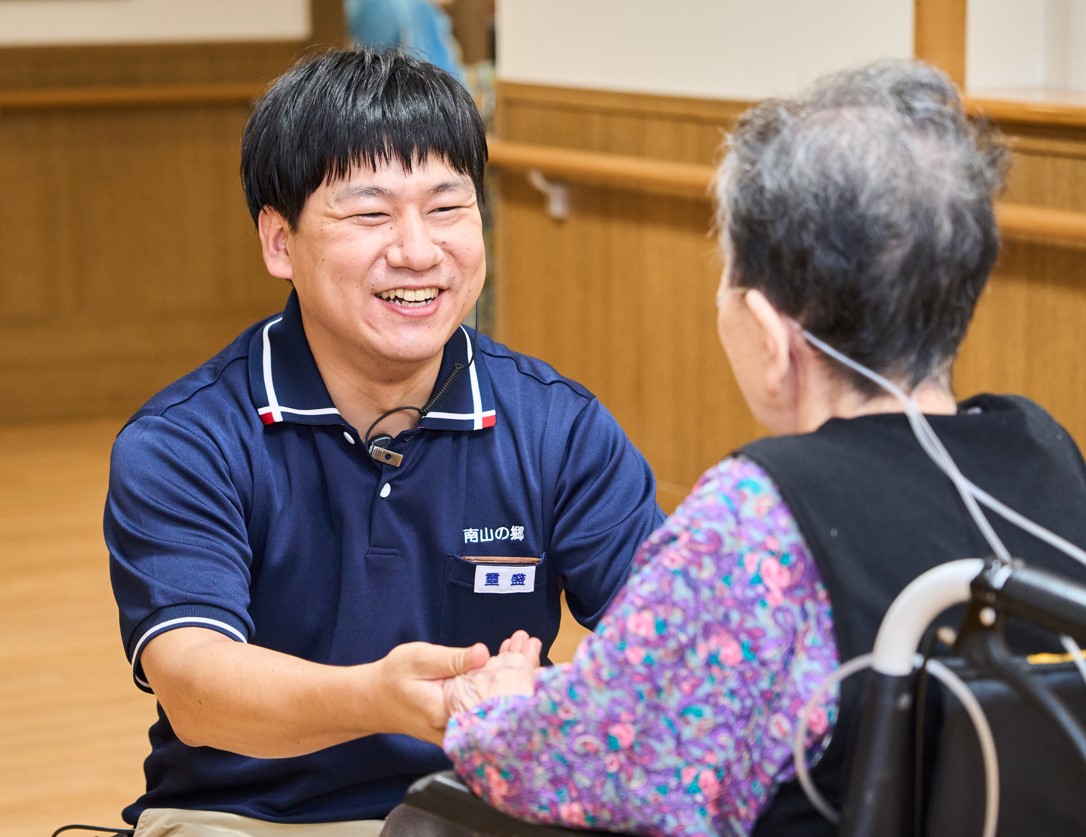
[588,248]
[620,295]
[1029,335]
[473,29]
[1048,172]
[129,254]
[49,68]
[939,35]
[692,412]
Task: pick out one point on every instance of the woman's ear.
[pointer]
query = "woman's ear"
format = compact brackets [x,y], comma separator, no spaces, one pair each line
[776,337]
[274,243]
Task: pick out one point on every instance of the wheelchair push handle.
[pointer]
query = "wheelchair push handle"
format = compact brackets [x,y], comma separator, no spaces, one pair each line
[1044,598]
[880,791]
[915,608]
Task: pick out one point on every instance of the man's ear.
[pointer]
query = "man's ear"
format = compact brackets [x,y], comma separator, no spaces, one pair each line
[274,243]
[776,337]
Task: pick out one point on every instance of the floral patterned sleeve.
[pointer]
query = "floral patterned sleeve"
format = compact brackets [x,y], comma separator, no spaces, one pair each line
[676,716]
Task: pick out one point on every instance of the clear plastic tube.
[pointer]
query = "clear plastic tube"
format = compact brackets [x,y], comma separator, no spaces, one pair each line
[957,687]
[973,497]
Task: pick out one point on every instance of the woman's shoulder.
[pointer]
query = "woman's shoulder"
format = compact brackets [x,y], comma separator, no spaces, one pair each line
[736,483]
[733,505]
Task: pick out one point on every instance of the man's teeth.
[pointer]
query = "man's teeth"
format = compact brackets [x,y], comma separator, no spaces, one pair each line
[406,296]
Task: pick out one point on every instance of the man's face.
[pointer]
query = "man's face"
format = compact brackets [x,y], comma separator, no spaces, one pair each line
[386,265]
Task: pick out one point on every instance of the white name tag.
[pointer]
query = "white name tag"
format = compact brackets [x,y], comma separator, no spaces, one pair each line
[491,579]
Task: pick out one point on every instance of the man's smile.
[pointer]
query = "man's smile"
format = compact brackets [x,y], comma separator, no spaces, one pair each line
[410,296]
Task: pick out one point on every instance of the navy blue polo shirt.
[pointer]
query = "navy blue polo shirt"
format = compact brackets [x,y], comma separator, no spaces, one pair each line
[241,501]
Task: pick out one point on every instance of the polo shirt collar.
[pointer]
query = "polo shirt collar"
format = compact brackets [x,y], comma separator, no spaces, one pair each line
[468,403]
[286,385]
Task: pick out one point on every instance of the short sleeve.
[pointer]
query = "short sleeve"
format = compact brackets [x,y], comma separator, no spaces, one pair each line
[605,506]
[175,528]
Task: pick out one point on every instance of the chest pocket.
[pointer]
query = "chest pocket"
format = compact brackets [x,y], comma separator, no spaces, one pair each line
[488,598]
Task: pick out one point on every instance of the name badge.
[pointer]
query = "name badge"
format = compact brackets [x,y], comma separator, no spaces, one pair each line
[492,579]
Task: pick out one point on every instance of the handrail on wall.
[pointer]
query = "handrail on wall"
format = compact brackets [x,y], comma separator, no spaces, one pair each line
[1016,220]
[688,179]
[662,176]
[130,96]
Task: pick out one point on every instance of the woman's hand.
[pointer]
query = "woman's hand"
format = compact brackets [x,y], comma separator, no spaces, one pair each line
[510,672]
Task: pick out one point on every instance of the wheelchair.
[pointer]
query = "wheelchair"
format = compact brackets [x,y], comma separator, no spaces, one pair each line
[1009,761]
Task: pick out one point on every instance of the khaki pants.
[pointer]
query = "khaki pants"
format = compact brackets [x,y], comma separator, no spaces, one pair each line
[174,822]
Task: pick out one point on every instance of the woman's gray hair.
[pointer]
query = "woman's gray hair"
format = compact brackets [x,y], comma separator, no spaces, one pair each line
[864,210]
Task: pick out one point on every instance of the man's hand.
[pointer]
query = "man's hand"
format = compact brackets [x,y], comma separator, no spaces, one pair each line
[411,681]
[257,702]
[511,672]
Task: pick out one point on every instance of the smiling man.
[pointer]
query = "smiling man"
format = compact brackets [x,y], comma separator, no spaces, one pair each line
[313,530]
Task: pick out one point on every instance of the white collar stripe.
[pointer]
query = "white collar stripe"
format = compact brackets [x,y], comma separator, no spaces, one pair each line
[274,413]
[467,344]
[322,411]
[476,416]
[476,396]
[269,386]
[274,408]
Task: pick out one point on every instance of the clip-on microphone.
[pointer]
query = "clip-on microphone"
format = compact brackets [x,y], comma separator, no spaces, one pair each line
[379,453]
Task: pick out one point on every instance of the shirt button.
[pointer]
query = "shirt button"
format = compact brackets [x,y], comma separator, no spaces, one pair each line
[348,437]
[386,489]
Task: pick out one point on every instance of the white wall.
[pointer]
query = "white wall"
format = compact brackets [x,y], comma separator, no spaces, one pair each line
[57,22]
[754,48]
[1024,44]
[1008,47]
[1076,64]
[711,48]
[715,48]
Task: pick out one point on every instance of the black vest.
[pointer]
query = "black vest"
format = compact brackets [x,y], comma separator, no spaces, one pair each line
[876,513]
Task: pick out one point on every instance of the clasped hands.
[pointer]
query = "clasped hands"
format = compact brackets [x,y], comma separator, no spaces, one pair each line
[509,672]
[422,684]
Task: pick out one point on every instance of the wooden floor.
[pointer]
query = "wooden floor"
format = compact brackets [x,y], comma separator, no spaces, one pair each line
[73,727]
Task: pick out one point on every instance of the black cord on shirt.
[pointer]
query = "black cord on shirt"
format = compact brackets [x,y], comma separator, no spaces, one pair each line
[437,396]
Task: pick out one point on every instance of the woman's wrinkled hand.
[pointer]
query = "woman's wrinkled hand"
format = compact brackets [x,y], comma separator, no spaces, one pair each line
[510,672]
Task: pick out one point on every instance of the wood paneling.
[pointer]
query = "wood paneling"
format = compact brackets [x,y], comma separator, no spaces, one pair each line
[620,294]
[473,29]
[1063,227]
[1028,334]
[129,254]
[939,35]
[327,23]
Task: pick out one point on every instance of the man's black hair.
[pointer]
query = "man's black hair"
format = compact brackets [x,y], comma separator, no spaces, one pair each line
[345,108]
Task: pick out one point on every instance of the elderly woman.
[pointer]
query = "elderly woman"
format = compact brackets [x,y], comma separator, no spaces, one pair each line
[856,221]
